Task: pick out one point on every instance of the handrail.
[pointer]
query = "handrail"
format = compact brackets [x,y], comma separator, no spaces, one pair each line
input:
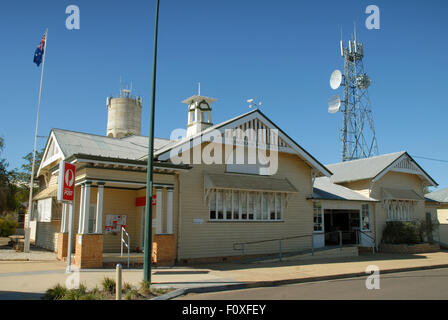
[280,253]
[368,236]
[127,244]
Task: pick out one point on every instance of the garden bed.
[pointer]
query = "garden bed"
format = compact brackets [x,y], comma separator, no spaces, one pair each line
[409,248]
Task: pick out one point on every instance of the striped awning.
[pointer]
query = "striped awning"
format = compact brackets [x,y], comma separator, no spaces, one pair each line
[401,194]
[247,183]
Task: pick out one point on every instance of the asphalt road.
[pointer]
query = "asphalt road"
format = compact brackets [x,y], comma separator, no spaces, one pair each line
[425,284]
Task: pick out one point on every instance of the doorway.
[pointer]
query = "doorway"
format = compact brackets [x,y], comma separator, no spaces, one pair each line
[339,222]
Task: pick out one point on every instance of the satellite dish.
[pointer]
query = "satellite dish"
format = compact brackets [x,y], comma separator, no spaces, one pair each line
[250,100]
[334,103]
[335,79]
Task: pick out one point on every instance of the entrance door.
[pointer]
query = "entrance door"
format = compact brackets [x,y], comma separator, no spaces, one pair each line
[337,222]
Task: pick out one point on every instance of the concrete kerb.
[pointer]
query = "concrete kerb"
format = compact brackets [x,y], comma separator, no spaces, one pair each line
[274,283]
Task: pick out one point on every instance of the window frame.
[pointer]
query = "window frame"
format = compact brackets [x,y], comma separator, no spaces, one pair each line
[260,201]
[365,205]
[318,206]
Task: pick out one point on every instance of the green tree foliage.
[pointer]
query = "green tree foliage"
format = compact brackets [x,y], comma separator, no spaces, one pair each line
[14,184]
[4,180]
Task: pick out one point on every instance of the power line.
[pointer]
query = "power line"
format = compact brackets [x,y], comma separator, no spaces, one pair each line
[432,159]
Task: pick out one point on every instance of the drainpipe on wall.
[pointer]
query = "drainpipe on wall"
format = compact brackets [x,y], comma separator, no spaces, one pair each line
[179,217]
[374,216]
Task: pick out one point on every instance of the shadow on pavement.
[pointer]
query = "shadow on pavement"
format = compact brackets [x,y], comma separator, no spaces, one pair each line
[14,295]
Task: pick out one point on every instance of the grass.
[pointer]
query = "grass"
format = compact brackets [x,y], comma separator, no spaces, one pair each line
[107,292]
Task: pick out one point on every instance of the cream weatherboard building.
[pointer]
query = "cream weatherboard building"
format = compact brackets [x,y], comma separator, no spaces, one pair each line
[203,208]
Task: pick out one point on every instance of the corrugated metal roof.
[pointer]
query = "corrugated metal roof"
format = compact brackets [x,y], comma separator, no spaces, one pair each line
[439,195]
[132,147]
[367,168]
[247,182]
[324,189]
[401,194]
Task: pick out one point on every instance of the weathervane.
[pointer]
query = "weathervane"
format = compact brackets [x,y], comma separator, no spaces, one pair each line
[252,103]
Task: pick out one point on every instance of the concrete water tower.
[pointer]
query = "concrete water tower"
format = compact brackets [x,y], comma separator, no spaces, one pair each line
[124,115]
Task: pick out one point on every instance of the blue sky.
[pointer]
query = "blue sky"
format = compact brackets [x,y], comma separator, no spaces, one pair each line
[281,52]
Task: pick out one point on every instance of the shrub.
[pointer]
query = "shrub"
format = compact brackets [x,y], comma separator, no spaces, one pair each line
[127,287]
[56,293]
[8,226]
[132,295]
[108,285]
[76,294]
[401,232]
[145,287]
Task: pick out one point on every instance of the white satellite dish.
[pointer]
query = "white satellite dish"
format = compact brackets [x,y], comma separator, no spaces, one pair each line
[334,103]
[335,79]
[250,100]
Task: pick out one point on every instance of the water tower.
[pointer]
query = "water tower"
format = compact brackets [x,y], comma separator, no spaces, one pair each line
[124,115]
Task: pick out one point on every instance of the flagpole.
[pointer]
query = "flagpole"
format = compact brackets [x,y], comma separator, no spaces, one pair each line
[30,200]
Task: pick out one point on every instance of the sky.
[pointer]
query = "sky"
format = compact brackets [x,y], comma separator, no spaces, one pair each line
[279,52]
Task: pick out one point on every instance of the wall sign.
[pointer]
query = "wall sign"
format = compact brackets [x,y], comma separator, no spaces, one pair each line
[114,223]
[66,181]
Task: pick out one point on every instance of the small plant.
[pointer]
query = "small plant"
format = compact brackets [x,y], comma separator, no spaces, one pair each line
[76,294]
[145,287]
[127,287]
[56,293]
[132,295]
[108,285]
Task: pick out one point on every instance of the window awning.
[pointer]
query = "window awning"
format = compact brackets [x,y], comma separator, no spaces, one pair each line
[247,183]
[401,194]
[50,192]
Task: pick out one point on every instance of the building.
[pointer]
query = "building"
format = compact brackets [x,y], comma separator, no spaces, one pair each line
[440,198]
[242,180]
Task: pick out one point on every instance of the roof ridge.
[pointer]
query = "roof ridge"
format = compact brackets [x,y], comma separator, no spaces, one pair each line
[369,158]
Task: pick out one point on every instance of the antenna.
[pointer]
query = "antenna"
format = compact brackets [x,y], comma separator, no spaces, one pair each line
[358,133]
[199,88]
[342,46]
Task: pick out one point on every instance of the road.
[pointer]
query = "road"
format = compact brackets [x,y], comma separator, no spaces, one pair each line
[425,284]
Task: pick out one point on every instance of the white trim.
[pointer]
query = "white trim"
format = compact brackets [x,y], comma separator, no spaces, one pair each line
[56,156]
[158,211]
[99,209]
[169,223]
[392,167]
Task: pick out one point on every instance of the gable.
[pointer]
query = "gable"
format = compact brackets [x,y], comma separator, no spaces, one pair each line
[253,129]
[52,153]
[405,164]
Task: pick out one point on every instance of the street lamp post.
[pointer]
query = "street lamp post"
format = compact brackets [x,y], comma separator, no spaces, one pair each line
[149,175]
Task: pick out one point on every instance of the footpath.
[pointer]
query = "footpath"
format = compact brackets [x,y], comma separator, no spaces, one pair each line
[30,279]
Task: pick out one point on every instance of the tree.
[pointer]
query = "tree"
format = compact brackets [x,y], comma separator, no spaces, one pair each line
[4,180]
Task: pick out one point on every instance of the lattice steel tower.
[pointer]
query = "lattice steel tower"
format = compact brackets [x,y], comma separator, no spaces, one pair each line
[358,132]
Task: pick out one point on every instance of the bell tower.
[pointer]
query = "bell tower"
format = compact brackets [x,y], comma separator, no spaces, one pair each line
[199,113]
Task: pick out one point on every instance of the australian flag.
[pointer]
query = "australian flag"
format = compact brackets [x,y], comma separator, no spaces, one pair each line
[38,54]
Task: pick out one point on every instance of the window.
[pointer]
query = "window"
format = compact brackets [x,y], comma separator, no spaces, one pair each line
[365,217]
[212,205]
[243,206]
[92,218]
[317,217]
[400,210]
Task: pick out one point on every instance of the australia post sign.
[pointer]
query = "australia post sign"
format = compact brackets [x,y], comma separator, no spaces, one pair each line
[66,181]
